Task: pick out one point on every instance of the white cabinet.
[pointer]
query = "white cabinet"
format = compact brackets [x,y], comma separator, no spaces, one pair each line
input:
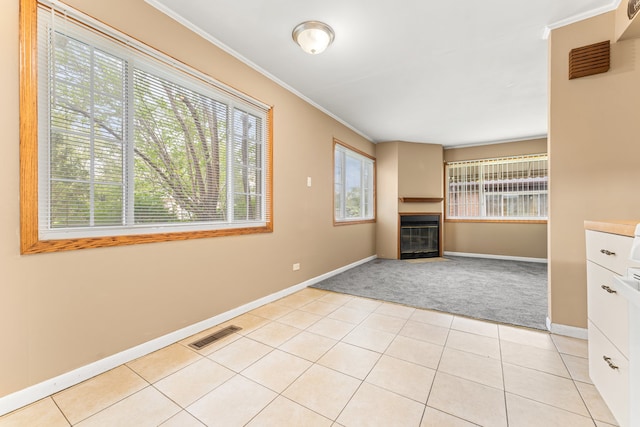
[609,351]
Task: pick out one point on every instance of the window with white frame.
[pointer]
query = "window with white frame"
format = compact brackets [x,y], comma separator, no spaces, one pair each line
[131,143]
[509,188]
[354,178]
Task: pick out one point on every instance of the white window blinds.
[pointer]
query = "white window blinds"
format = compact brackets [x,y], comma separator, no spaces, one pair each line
[131,142]
[353,185]
[503,188]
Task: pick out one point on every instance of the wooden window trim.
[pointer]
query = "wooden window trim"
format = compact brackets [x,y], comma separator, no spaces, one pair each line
[28,125]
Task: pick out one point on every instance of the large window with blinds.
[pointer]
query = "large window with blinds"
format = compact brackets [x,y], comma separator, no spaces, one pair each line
[354,178]
[131,143]
[510,188]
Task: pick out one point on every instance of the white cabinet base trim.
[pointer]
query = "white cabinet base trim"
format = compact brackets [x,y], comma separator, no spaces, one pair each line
[566,330]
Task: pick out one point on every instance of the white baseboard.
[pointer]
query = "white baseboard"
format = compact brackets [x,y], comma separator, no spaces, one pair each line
[567,331]
[489,256]
[41,390]
[322,277]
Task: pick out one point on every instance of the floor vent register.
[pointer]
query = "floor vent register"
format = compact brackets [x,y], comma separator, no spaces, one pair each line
[209,339]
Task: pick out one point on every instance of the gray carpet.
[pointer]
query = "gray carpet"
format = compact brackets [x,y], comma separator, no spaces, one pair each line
[512,292]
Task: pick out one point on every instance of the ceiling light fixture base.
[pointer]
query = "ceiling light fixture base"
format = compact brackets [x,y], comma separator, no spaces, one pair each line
[313,36]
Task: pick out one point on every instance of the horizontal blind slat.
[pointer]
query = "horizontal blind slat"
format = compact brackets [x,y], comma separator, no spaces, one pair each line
[511,187]
[178,175]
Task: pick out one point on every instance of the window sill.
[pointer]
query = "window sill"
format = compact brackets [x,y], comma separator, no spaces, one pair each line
[355,221]
[35,246]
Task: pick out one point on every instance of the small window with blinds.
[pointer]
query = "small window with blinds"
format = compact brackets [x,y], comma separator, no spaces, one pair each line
[131,143]
[354,178]
[510,188]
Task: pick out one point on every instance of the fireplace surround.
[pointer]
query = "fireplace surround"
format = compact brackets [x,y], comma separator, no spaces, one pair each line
[420,235]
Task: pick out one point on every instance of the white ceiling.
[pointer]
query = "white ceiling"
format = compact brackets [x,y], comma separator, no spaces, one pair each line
[446,72]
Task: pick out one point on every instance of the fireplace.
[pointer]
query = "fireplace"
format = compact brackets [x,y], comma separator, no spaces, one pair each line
[419,236]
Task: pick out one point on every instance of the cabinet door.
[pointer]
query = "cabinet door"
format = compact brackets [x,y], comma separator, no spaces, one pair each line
[608,310]
[611,377]
[609,250]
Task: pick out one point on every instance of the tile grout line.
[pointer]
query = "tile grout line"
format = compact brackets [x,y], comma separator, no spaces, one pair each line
[444,345]
[380,355]
[222,383]
[584,402]
[573,381]
[60,409]
[113,403]
[504,381]
[312,363]
[363,380]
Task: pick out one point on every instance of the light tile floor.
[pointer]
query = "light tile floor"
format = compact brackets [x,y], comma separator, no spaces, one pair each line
[318,358]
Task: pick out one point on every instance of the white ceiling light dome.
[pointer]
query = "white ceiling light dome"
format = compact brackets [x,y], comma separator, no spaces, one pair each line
[313,36]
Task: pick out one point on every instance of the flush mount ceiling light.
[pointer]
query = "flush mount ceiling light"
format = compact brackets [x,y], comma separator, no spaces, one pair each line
[313,36]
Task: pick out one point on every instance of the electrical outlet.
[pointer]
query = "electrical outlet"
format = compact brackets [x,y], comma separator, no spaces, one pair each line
[296,266]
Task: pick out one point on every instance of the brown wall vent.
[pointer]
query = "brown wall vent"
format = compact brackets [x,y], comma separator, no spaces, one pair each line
[589,60]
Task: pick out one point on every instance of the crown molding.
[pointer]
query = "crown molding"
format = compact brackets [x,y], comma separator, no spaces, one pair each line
[205,35]
[580,17]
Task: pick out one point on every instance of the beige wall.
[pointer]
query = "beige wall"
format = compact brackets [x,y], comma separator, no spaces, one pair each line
[594,152]
[420,174]
[504,239]
[61,311]
[493,238]
[420,169]
[405,169]
[625,28]
[491,151]
[387,200]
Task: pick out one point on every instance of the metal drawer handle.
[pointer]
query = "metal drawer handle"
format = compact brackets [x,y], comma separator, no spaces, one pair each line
[606,252]
[608,289]
[609,362]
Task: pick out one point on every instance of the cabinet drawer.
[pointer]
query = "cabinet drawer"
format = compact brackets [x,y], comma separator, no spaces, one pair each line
[609,311]
[609,250]
[613,384]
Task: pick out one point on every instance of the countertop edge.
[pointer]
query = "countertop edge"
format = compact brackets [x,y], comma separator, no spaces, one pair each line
[621,227]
